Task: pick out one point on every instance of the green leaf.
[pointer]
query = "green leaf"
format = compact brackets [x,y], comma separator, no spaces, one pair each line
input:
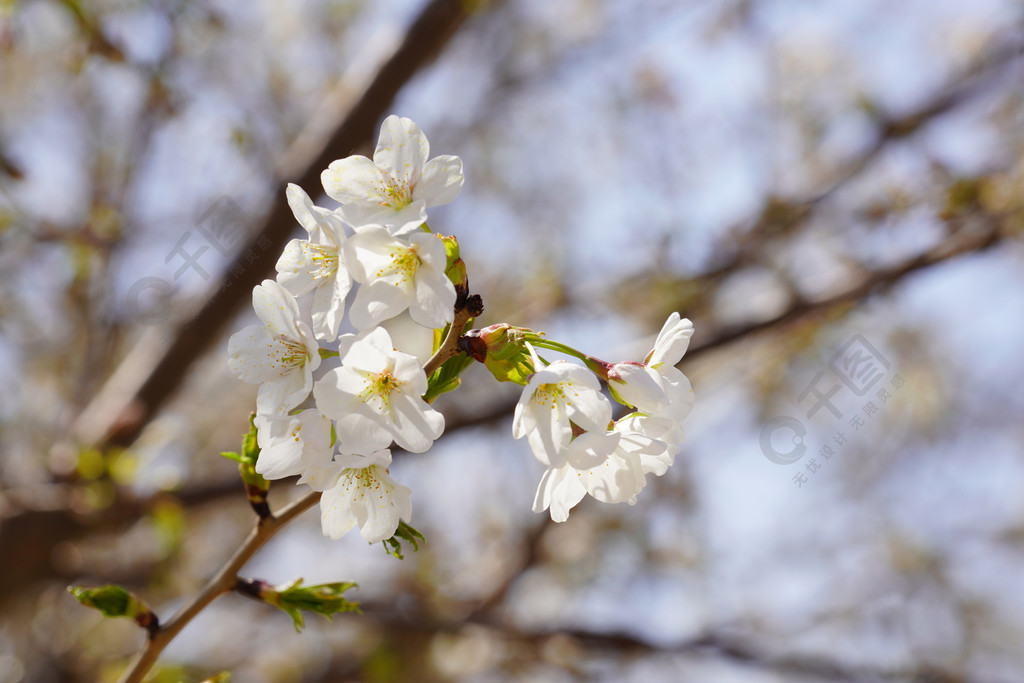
[446,377]
[256,486]
[325,599]
[405,533]
[250,447]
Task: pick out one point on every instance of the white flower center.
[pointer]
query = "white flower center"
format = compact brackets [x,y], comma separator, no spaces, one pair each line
[549,395]
[379,388]
[396,193]
[364,478]
[325,260]
[291,353]
[404,263]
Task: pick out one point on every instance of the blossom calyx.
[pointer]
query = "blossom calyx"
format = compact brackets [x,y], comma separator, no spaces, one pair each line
[502,348]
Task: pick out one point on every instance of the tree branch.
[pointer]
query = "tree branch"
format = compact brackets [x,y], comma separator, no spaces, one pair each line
[223,582]
[449,347]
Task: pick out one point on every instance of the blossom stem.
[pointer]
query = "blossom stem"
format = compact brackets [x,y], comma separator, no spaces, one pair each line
[225,581]
[450,346]
[595,365]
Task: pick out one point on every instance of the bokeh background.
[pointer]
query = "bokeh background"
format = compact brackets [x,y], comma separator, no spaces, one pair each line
[791,175]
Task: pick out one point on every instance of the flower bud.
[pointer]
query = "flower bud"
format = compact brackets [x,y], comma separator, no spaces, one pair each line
[455,268]
[116,601]
[502,348]
[256,486]
[451,249]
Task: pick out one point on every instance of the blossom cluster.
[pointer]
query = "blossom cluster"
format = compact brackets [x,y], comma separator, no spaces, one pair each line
[377,239]
[374,263]
[567,421]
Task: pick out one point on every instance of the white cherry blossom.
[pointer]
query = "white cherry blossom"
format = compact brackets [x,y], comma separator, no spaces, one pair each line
[376,396]
[280,355]
[289,444]
[398,274]
[359,490]
[397,186]
[555,396]
[610,466]
[668,350]
[657,387]
[316,264]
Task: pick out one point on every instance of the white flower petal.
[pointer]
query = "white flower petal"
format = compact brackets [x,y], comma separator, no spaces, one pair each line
[434,304]
[375,303]
[559,491]
[320,477]
[380,458]
[295,268]
[588,408]
[362,433]
[369,251]
[551,435]
[618,480]
[408,219]
[398,221]
[591,449]
[276,308]
[382,507]
[677,390]
[291,443]
[302,207]
[369,352]
[328,309]
[280,446]
[672,341]
[408,370]
[410,337]
[655,440]
[252,353]
[336,514]
[354,179]
[415,425]
[280,396]
[402,148]
[441,180]
[634,385]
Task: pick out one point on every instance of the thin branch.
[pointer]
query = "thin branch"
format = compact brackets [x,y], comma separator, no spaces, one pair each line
[224,582]
[449,347]
[877,281]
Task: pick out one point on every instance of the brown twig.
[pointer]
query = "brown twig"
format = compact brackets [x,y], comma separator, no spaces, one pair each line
[450,346]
